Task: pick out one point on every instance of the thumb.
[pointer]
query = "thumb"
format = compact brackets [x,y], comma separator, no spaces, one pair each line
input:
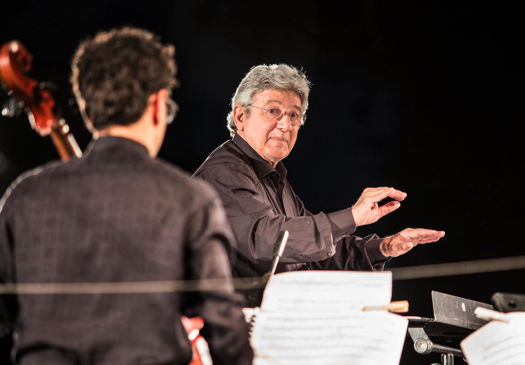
[389,207]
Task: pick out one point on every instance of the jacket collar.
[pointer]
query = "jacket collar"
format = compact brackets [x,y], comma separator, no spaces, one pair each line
[261,166]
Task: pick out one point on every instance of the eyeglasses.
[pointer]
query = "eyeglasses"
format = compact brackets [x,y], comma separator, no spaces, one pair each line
[296,119]
[173,108]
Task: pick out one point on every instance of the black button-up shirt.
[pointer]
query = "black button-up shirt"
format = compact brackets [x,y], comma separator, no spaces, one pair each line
[117,215]
[260,202]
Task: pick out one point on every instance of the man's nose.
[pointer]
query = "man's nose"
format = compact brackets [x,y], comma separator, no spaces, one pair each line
[284,123]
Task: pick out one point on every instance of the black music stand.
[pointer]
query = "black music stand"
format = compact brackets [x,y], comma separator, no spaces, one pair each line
[454,319]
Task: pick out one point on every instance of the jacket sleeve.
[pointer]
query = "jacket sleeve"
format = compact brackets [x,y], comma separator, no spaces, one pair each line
[256,226]
[8,303]
[354,253]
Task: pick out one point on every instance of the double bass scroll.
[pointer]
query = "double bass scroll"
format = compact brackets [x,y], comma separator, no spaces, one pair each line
[15,63]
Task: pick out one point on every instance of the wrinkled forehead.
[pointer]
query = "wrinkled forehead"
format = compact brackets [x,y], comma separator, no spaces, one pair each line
[287,98]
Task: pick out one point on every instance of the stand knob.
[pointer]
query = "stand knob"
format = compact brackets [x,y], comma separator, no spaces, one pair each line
[423,346]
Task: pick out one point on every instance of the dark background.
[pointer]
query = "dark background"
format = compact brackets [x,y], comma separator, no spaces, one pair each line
[422,96]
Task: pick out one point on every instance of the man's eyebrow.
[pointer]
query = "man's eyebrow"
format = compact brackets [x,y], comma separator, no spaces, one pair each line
[280,102]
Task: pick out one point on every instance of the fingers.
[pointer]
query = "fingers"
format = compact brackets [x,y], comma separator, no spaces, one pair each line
[378,194]
[405,240]
[367,210]
[422,235]
[396,194]
[388,208]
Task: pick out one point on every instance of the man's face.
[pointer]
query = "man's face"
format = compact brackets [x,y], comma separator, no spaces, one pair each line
[272,138]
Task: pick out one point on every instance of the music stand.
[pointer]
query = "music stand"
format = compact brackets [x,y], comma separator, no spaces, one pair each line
[454,319]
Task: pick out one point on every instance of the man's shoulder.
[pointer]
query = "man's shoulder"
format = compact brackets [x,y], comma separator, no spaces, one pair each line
[224,158]
[29,179]
[168,170]
[39,173]
[182,183]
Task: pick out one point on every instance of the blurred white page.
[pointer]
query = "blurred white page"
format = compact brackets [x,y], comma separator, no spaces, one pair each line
[501,343]
[316,317]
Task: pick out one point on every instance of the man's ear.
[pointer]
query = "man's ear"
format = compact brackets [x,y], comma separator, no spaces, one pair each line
[158,100]
[238,117]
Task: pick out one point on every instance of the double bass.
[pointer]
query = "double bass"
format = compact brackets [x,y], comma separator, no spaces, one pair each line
[41,109]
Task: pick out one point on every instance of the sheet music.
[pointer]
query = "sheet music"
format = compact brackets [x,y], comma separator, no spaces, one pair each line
[497,342]
[314,290]
[316,317]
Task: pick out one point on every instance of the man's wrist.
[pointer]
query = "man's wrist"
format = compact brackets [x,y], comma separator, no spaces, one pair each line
[374,252]
[384,246]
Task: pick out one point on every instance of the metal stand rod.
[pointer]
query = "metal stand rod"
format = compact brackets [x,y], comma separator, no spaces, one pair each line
[447,359]
[425,346]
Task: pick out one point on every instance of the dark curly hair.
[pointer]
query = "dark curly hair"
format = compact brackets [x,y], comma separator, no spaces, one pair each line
[113,74]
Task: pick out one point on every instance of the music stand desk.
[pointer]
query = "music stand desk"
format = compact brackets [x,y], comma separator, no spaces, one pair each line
[454,319]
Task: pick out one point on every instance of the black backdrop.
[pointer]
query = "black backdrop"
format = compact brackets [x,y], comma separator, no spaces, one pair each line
[423,96]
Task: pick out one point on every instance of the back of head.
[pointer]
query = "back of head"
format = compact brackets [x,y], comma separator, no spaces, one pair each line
[114,73]
[262,77]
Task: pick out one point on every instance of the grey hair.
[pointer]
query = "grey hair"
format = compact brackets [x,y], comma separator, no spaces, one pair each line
[262,77]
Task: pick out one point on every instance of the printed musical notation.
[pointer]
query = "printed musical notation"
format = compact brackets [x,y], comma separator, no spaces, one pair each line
[317,317]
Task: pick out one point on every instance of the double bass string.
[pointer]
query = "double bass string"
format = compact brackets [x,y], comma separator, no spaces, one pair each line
[133,287]
[171,286]
[459,268]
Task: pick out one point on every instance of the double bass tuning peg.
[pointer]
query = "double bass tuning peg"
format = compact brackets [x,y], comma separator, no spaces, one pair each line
[48,86]
[11,107]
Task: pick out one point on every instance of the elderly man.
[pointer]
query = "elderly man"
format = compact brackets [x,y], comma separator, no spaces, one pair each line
[268,109]
[118,216]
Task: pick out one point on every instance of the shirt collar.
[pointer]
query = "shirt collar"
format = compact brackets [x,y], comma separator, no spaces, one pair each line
[261,166]
[109,142]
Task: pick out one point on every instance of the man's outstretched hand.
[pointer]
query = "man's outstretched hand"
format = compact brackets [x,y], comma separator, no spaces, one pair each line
[404,241]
